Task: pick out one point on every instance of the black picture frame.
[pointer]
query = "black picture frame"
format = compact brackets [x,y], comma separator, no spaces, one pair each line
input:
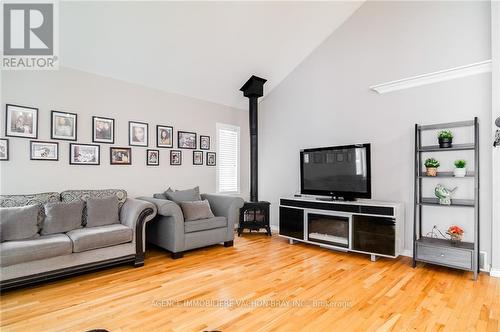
[193,139]
[203,146]
[32,157]
[4,156]
[169,128]
[71,157]
[148,162]
[172,155]
[8,118]
[208,162]
[53,126]
[112,160]
[146,134]
[200,154]
[101,140]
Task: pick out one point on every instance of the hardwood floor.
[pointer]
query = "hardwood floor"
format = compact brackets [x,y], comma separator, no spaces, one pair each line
[262,273]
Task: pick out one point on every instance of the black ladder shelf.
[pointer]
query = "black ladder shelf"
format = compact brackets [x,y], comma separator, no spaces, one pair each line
[464,255]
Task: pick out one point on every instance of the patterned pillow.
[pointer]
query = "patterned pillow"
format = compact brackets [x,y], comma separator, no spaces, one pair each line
[82,195]
[24,200]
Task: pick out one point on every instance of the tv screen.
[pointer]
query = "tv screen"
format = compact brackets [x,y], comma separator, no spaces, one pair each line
[340,171]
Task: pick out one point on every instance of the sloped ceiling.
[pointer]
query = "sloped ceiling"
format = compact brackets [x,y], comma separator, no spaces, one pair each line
[205,50]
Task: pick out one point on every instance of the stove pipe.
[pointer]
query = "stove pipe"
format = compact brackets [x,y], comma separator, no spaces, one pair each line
[253,89]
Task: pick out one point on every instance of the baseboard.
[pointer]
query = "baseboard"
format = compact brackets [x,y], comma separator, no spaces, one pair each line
[407,253]
[275,229]
[495,272]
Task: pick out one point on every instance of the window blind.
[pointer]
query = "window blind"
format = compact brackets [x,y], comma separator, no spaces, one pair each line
[228,154]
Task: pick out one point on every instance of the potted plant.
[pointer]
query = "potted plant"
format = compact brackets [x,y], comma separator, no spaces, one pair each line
[432,165]
[445,138]
[460,170]
[456,233]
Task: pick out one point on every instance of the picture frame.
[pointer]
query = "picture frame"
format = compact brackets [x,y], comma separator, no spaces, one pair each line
[84,154]
[211,159]
[42,150]
[4,149]
[63,125]
[21,121]
[120,156]
[164,136]
[152,157]
[186,140]
[204,142]
[138,133]
[103,130]
[175,157]
[197,157]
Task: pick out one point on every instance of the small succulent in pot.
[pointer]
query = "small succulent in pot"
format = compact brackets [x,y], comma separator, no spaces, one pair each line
[432,165]
[445,138]
[460,169]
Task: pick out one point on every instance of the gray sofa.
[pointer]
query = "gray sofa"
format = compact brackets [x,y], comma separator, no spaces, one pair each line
[169,231]
[52,256]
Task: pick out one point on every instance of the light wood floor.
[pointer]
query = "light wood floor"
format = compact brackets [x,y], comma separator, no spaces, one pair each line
[357,295]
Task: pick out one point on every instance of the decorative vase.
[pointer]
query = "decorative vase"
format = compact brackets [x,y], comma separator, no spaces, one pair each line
[444,194]
[459,172]
[445,142]
[431,171]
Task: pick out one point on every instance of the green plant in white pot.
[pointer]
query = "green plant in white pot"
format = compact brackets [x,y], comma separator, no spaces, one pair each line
[460,169]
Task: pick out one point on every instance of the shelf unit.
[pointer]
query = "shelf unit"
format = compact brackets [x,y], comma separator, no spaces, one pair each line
[462,255]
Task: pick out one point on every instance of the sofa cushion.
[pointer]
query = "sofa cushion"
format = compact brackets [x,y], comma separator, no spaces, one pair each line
[99,237]
[204,224]
[82,195]
[18,223]
[15,252]
[188,195]
[102,211]
[62,217]
[196,210]
[160,196]
[24,200]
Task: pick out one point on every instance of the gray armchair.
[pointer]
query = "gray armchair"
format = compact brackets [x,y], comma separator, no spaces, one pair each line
[169,230]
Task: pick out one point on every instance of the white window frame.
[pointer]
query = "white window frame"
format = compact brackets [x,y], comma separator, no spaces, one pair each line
[220,126]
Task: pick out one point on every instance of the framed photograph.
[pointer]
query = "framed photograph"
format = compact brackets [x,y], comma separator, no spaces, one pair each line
[204,142]
[21,121]
[186,140]
[4,149]
[120,156]
[153,157]
[63,126]
[84,154]
[164,136]
[175,157]
[103,130]
[44,150]
[137,133]
[211,160]
[197,157]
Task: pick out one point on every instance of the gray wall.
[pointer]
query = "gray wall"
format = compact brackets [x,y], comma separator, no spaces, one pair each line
[326,101]
[88,95]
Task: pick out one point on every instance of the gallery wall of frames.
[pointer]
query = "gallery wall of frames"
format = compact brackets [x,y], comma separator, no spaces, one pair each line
[21,122]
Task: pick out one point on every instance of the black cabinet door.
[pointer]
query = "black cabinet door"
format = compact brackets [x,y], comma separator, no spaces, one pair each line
[374,234]
[292,222]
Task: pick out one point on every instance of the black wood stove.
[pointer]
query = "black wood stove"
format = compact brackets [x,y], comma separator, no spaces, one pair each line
[254,215]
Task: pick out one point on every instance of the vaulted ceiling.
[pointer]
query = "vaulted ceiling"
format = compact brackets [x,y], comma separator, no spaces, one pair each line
[205,50]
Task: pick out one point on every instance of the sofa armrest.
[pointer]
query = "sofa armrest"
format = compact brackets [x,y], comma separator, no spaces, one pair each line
[226,206]
[134,214]
[165,207]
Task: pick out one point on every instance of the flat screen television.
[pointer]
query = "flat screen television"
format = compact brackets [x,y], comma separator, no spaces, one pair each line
[341,172]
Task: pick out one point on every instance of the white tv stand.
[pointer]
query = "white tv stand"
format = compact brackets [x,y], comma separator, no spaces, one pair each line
[363,226]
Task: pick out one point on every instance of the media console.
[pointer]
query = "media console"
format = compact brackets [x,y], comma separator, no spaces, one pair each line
[364,226]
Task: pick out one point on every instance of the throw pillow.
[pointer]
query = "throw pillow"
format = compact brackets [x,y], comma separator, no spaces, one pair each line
[180,196]
[102,211]
[62,217]
[19,223]
[196,210]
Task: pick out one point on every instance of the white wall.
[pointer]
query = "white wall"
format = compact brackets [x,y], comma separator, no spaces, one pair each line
[88,95]
[326,101]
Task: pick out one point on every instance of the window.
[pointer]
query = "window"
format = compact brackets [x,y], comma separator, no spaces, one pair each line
[228,158]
